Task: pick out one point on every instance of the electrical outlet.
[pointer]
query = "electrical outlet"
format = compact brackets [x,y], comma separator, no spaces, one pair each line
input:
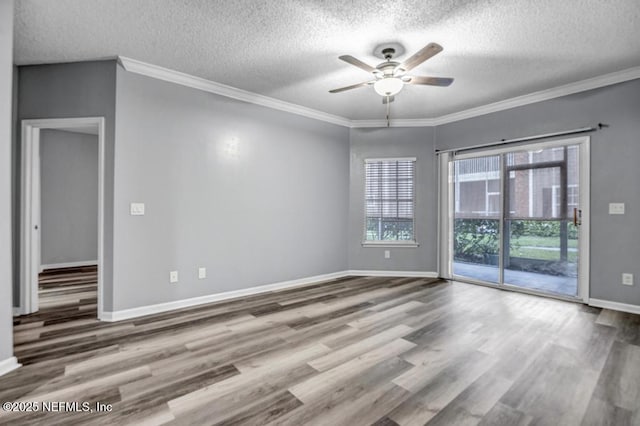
[173,276]
[202,273]
[616,208]
[627,279]
[387,254]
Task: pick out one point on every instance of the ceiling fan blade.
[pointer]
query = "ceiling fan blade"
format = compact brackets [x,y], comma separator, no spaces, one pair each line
[353,86]
[431,81]
[420,56]
[357,62]
[388,99]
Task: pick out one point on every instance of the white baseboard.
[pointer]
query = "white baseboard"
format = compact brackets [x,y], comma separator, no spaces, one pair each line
[419,274]
[69,264]
[179,304]
[616,306]
[8,365]
[194,301]
[17,311]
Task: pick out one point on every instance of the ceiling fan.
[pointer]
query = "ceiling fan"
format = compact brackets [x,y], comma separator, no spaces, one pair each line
[389,76]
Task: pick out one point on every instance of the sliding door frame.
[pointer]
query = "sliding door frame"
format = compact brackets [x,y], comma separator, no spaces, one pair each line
[446,189]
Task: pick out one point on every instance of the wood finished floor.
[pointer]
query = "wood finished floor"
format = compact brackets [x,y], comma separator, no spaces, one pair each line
[68,289]
[354,351]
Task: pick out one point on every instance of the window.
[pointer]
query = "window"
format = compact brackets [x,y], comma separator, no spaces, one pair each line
[389,201]
[477,186]
[480,198]
[573,195]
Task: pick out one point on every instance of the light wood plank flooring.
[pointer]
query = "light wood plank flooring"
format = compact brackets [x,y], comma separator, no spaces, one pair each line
[67,289]
[354,351]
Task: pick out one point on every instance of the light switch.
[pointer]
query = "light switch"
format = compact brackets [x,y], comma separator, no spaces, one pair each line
[137,209]
[616,208]
[387,254]
[202,273]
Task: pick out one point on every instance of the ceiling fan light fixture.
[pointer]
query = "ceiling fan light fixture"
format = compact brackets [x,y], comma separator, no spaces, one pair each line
[388,86]
[390,76]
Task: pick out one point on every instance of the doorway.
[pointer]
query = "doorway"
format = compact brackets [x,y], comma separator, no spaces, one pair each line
[519,218]
[31,262]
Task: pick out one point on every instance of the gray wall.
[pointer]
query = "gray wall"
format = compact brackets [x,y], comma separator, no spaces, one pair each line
[615,153]
[85,89]
[275,210]
[6,101]
[69,197]
[280,208]
[395,142]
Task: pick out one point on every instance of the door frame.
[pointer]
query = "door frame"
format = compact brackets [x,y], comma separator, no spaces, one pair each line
[31,206]
[583,241]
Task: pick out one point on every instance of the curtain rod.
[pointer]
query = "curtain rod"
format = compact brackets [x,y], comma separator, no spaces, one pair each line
[526,138]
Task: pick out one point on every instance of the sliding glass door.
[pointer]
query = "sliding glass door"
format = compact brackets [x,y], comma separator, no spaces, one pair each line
[476,242]
[516,218]
[541,240]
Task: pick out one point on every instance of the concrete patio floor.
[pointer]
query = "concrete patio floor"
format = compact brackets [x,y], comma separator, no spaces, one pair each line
[566,286]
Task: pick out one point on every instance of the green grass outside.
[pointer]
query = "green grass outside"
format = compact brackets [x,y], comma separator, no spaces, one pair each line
[525,247]
[532,253]
[532,241]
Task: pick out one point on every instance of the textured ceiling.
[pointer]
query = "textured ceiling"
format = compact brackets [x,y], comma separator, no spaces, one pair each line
[289,49]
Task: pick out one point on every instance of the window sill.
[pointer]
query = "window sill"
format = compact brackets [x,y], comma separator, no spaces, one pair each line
[408,244]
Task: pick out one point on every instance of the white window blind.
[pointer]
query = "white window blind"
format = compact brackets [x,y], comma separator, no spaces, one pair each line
[389,200]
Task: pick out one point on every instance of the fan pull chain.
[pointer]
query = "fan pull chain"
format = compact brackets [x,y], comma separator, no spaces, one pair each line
[388,111]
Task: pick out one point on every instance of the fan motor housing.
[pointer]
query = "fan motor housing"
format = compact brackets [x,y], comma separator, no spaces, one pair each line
[388,67]
[380,50]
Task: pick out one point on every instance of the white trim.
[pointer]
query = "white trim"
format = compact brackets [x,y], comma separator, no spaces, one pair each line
[389,159]
[616,306]
[446,209]
[400,122]
[30,261]
[8,365]
[17,311]
[160,73]
[194,301]
[390,243]
[543,95]
[370,273]
[63,123]
[301,282]
[584,232]
[531,98]
[70,264]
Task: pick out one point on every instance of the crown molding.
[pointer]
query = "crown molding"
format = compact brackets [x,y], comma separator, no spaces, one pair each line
[183,79]
[399,122]
[543,95]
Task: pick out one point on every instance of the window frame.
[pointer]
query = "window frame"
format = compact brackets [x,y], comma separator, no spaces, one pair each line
[555,191]
[390,243]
